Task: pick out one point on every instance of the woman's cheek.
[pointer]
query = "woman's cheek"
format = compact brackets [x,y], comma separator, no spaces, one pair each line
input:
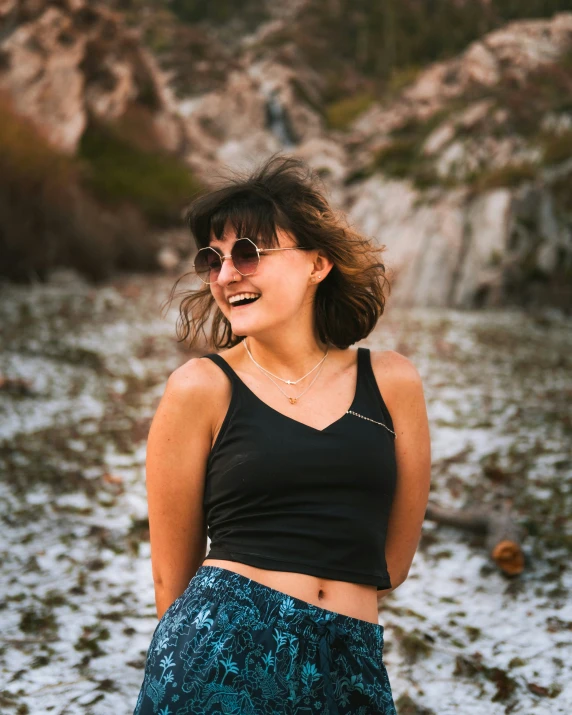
[223,305]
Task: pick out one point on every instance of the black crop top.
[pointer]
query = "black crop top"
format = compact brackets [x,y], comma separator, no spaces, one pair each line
[284,496]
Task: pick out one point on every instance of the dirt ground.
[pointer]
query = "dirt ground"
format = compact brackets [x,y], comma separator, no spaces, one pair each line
[82,369]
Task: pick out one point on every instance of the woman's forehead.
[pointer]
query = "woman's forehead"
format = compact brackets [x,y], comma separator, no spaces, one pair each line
[230,236]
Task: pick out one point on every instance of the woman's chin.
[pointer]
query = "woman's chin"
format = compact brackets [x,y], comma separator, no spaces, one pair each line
[244,327]
[238,321]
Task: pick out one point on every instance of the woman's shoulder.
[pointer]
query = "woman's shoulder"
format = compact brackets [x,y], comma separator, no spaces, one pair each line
[190,376]
[396,376]
[196,382]
[393,364]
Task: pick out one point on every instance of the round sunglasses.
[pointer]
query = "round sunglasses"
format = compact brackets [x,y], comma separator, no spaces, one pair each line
[245,256]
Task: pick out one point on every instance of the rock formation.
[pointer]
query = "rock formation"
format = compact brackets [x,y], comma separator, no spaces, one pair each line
[457,233]
[505,246]
[262,108]
[477,207]
[64,61]
[463,175]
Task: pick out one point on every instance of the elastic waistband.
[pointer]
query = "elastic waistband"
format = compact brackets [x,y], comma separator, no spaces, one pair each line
[295,614]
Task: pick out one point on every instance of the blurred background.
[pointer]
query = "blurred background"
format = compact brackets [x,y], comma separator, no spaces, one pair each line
[443,128]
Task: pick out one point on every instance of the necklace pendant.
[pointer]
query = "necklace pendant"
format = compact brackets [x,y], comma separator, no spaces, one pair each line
[289,382]
[293,400]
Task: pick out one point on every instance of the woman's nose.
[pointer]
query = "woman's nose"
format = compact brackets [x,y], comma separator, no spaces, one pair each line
[228,272]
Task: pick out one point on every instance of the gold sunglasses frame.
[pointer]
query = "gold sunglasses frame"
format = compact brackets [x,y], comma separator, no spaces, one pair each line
[259,251]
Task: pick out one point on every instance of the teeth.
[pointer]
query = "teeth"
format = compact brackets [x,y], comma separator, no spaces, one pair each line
[242,296]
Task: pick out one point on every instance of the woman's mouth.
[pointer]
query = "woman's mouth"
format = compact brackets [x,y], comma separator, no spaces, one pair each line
[243,303]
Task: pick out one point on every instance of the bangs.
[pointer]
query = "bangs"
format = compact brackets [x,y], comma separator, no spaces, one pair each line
[250,215]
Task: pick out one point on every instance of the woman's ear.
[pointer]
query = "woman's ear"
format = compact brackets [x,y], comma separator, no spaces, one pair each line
[322,265]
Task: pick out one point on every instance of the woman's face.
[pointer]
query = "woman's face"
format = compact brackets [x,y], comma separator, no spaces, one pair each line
[283,280]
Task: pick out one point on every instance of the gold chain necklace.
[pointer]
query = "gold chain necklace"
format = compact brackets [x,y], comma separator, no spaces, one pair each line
[288,382]
[293,400]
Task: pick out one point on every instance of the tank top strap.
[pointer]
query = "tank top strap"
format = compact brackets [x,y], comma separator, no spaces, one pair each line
[224,366]
[242,395]
[369,401]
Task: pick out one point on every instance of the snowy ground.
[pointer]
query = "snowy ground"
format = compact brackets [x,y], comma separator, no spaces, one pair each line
[83,371]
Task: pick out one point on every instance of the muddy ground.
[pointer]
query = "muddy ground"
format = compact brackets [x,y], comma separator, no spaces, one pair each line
[82,369]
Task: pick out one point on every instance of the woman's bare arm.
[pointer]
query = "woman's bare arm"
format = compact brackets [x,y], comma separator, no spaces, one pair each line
[402,390]
[177,451]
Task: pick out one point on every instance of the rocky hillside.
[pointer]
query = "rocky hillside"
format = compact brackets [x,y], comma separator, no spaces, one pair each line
[461,168]
[467,175]
[64,63]
[464,173]
[351,44]
[90,143]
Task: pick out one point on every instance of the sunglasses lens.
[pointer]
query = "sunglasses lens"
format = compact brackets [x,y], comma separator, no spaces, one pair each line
[208,264]
[244,256]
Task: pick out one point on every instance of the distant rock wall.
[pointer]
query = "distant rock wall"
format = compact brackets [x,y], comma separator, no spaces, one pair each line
[63,61]
[262,108]
[467,175]
[448,244]
[505,246]
[514,52]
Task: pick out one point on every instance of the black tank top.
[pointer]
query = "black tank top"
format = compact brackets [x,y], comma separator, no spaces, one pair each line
[284,496]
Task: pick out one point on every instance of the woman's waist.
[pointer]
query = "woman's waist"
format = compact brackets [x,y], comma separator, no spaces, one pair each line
[355,600]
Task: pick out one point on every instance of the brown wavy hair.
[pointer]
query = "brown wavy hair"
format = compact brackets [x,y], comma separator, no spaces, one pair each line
[285,192]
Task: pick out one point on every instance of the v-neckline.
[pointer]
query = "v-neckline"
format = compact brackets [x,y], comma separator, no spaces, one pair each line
[291,419]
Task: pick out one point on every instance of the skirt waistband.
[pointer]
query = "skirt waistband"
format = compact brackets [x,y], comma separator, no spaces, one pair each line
[295,614]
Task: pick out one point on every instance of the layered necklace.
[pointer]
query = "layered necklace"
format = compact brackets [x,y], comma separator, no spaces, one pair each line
[268,374]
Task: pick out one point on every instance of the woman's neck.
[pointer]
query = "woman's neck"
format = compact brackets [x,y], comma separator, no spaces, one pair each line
[287,358]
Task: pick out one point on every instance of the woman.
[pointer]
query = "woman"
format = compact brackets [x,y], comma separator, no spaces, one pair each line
[313,508]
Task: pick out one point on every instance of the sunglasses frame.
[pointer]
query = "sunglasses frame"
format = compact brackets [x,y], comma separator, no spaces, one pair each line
[259,251]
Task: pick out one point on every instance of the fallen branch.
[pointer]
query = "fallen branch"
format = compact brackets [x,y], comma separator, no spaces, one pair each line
[503,535]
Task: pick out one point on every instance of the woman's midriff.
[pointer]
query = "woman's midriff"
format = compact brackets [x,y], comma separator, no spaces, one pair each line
[349,599]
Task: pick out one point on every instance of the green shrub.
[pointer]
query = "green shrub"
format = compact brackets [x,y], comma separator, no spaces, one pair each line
[397,158]
[558,148]
[48,219]
[401,78]
[119,171]
[252,12]
[545,90]
[357,175]
[509,175]
[340,114]
[403,157]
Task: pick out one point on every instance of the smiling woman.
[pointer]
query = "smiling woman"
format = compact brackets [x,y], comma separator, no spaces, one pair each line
[277,207]
[306,463]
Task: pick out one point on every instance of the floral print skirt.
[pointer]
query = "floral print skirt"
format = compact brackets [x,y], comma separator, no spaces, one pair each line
[231,645]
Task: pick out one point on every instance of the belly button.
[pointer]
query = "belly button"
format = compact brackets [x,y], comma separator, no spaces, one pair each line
[320,594]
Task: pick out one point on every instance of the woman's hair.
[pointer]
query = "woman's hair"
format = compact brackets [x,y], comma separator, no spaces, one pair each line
[285,192]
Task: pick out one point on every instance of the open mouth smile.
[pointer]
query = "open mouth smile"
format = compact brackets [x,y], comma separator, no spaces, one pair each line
[244,302]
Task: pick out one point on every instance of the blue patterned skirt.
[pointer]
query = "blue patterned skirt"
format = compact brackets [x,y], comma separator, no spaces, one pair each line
[231,645]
